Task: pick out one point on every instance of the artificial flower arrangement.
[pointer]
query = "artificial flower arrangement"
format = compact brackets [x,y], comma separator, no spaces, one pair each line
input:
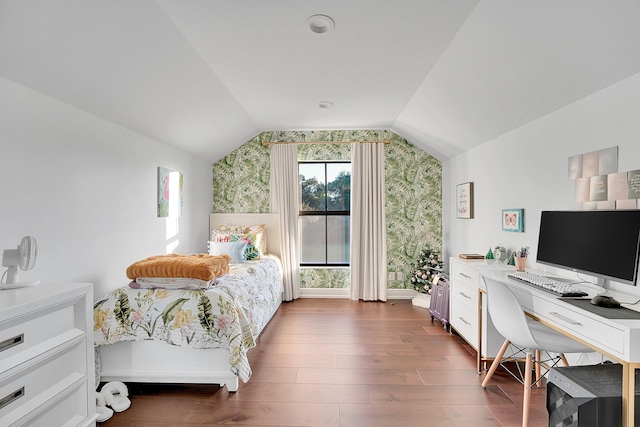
[428,264]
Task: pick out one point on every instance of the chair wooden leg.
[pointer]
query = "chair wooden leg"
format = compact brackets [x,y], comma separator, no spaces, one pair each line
[538,369]
[527,390]
[496,363]
[564,360]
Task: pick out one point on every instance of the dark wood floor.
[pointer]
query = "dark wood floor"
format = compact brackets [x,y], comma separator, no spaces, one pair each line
[330,362]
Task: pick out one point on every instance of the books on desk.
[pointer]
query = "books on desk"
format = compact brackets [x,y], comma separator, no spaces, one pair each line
[471,256]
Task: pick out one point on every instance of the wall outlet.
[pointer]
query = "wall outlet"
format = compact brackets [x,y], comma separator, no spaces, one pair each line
[391,275]
[399,275]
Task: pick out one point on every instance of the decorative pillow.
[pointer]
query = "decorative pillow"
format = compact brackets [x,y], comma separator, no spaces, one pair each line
[251,251]
[258,229]
[235,249]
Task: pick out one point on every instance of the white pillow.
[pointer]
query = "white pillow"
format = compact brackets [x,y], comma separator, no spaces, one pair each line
[257,229]
[234,249]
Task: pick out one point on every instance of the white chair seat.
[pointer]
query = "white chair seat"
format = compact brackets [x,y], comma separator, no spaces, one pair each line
[527,335]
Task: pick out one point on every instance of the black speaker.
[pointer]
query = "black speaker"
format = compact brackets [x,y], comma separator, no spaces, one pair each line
[587,396]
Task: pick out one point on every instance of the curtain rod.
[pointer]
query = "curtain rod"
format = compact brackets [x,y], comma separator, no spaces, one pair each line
[386,141]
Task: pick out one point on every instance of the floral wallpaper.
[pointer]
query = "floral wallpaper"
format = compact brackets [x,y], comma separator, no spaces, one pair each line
[241,179]
[325,278]
[413,182]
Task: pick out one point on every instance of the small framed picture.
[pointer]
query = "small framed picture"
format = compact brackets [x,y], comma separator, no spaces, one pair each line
[169,193]
[513,220]
[464,200]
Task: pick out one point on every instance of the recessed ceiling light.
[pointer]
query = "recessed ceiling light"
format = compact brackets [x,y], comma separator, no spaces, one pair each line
[321,24]
[325,104]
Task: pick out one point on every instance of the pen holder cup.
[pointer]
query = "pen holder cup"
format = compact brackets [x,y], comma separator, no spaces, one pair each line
[521,263]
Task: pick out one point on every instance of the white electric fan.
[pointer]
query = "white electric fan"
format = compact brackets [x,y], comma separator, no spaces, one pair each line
[25,258]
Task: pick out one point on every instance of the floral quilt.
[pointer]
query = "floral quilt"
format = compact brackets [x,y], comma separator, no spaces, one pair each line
[230,315]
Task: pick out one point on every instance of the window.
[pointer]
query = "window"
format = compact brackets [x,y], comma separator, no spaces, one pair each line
[324,219]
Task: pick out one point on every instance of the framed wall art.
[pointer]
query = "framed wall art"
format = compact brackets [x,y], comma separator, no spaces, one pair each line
[464,200]
[513,220]
[169,193]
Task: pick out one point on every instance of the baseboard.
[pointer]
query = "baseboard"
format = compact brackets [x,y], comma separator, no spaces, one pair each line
[345,293]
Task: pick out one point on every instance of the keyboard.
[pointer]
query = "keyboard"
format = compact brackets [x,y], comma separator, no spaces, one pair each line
[556,287]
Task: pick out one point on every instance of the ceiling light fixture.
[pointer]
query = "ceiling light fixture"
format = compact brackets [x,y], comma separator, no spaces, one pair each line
[320,24]
[325,104]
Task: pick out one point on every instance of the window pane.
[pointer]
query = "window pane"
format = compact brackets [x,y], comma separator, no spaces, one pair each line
[312,186]
[313,239]
[339,186]
[338,239]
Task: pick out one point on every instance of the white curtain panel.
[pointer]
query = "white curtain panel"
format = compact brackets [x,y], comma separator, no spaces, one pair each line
[368,228]
[284,201]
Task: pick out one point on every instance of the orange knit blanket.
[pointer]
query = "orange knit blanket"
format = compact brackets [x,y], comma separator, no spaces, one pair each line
[200,266]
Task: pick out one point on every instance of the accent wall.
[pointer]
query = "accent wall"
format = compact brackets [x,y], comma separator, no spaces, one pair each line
[413,181]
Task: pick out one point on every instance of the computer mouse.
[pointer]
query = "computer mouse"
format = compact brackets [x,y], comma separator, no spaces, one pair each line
[605,301]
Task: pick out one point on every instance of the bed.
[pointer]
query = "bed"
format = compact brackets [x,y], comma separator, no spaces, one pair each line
[174,342]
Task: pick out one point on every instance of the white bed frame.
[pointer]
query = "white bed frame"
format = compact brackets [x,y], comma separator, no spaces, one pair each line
[158,362]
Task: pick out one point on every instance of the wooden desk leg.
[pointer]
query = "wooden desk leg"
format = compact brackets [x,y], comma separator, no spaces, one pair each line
[479,362]
[628,393]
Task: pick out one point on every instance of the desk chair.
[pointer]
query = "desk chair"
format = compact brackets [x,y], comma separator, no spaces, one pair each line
[526,336]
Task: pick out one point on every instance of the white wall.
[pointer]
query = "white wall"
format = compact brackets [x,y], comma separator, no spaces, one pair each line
[528,168]
[85,188]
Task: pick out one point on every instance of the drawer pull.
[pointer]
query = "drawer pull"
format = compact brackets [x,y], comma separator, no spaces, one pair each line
[464,295]
[566,319]
[465,275]
[11,397]
[464,321]
[11,342]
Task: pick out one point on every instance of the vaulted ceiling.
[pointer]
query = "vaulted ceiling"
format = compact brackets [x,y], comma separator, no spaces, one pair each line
[208,75]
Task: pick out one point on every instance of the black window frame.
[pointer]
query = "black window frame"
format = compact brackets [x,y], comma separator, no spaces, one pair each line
[326,213]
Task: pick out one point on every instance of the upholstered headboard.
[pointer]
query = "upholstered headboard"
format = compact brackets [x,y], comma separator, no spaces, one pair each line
[270,220]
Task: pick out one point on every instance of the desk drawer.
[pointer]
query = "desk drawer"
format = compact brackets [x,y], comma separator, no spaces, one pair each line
[577,322]
[583,326]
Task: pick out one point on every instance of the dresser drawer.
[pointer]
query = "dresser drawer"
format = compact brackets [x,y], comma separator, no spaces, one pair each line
[27,336]
[62,411]
[42,379]
[465,273]
[464,319]
[465,293]
[464,283]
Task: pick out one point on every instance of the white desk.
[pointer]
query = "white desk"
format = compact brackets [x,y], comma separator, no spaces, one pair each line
[618,339]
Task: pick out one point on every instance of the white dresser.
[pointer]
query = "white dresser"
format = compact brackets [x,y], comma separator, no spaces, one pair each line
[468,307]
[46,356]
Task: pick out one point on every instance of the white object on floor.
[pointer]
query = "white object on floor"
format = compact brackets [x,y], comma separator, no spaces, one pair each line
[103,412]
[115,394]
[422,300]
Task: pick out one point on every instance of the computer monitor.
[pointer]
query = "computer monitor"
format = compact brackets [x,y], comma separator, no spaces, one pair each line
[603,244]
